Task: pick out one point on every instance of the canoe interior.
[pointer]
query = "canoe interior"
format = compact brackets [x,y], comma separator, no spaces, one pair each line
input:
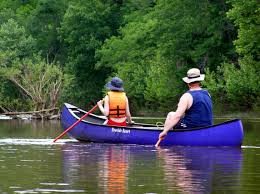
[99,120]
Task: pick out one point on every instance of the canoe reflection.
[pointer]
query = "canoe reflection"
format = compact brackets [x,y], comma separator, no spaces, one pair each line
[200,169]
[108,168]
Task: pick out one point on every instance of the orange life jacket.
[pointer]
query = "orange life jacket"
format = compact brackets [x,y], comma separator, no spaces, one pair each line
[117,104]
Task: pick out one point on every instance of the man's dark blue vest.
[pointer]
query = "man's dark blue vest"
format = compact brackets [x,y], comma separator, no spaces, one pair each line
[200,113]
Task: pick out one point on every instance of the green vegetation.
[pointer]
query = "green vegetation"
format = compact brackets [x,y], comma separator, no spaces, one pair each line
[52,51]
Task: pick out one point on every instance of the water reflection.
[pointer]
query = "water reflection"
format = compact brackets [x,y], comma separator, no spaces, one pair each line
[96,166]
[201,170]
[113,170]
[31,163]
[106,168]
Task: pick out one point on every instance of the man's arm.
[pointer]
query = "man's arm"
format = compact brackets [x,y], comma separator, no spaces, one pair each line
[173,119]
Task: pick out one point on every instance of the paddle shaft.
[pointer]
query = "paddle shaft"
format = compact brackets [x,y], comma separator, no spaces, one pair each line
[64,132]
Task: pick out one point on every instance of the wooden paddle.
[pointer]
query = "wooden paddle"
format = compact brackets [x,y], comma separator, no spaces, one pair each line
[64,132]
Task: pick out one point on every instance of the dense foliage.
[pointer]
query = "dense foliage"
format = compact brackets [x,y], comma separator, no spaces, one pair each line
[150,44]
[239,80]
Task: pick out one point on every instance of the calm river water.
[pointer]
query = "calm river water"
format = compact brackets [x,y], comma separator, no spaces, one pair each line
[31,163]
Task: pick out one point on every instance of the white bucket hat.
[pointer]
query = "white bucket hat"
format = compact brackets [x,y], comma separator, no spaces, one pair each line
[193,75]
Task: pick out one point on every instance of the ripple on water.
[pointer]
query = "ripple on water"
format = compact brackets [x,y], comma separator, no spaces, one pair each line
[248,147]
[62,184]
[10,141]
[49,191]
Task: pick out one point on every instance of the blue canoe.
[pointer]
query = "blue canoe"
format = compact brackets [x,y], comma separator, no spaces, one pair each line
[92,129]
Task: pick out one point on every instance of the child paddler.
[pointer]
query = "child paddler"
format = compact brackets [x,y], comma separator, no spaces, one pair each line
[116,106]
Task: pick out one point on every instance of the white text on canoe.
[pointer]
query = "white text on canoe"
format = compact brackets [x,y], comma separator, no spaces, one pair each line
[120,130]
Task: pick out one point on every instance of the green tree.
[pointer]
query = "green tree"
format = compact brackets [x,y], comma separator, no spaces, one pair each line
[43,24]
[85,27]
[38,80]
[243,80]
[245,15]
[239,81]
[14,43]
[154,49]
[26,77]
[16,9]
[6,14]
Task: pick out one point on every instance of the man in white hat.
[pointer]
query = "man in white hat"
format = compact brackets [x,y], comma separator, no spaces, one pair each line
[194,107]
